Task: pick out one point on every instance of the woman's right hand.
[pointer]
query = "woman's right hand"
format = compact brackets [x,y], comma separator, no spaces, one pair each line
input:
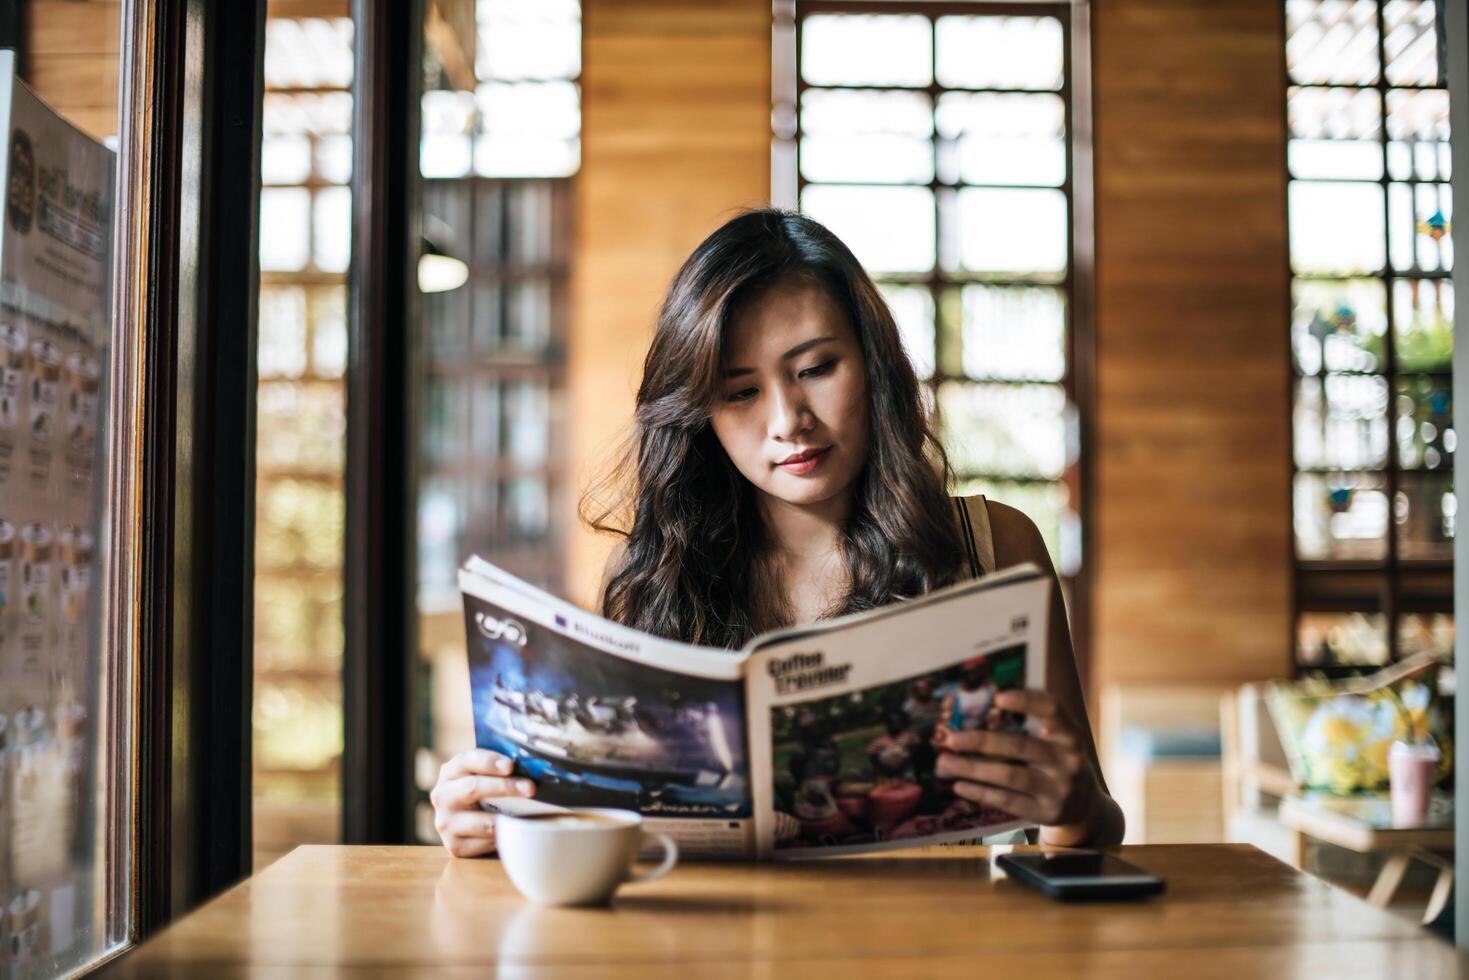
[478,774]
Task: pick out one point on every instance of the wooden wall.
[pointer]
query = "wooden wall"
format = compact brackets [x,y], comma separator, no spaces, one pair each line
[71,59]
[675,140]
[1192,423]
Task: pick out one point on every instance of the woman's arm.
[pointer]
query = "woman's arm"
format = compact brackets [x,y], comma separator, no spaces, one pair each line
[1017,540]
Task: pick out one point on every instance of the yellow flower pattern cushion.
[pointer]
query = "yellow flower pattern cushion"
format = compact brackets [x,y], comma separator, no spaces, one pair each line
[1338,742]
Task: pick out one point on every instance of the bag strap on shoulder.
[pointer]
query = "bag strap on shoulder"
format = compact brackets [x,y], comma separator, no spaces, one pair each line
[979,541]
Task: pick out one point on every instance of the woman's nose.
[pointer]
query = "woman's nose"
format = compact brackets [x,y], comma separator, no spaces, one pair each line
[790,413]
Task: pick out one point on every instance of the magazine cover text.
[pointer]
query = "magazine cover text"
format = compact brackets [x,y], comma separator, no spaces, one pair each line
[850,739]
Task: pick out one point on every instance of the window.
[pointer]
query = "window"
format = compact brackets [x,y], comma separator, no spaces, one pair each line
[1371,330]
[936,144]
[500,143]
[305,228]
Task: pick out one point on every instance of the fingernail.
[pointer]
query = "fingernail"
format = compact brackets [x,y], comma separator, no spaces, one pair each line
[502,765]
[525,786]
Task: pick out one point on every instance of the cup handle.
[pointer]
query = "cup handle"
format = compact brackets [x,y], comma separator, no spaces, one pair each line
[670,858]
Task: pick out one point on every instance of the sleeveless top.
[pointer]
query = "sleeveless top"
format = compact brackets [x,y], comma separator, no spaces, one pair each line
[974,528]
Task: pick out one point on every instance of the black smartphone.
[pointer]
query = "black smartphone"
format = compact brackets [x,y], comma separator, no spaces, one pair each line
[1079,875]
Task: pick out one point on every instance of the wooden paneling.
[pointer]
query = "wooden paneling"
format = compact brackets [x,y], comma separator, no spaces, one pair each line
[675,140]
[70,59]
[1192,420]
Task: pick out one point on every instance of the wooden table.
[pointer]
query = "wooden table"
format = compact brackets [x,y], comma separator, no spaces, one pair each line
[1364,824]
[1230,912]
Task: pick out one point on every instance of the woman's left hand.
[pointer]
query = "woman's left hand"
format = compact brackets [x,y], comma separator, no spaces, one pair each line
[1044,776]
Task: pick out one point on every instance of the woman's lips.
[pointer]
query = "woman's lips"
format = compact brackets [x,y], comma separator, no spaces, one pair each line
[804,463]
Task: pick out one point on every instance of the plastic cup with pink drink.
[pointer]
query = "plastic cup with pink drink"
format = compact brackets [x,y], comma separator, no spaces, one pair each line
[1412,768]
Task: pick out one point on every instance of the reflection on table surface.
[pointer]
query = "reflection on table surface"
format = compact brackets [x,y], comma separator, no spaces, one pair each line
[1375,809]
[1229,910]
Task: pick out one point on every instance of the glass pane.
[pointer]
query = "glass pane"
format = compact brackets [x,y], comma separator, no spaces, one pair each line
[889,229]
[298,724]
[1338,325]
[282,326]
[1012,231]
[1336,229]
[1331,42]
[285,160]
[1424,512]
[527,508]
[1335,133]
[300,440]
[1418,128]
[487,327]
[865,49]
[485,425]
[1340,516]
[1325,639]
[440,526]
[446,420]
[1411,42]
[527,423]
[1005,430]
[329,332]
[528,129]
[1005,139]
[1425,632]
[1000,52]
[447,126]
[286,211]
[64,873]
[334,159]
[528,315]
[518,40]
[867,136]
[1421,222]
[332,228]
[300,427]
[1423,324]
[912,307]
[1014,333]
[530,225]
[308,53]
[293,620]
[299,524]
[1425,422]
[446,316]
[1341,422]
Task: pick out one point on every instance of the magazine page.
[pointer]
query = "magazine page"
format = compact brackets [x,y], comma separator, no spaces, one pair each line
[843,719]
[603,716]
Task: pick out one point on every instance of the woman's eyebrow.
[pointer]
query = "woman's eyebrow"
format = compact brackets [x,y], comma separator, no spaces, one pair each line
[795,351]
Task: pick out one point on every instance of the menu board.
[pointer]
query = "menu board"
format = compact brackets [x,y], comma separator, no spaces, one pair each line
[55,283]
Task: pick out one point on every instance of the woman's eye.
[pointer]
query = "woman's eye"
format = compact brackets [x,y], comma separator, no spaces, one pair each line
[742,395]
[819,369]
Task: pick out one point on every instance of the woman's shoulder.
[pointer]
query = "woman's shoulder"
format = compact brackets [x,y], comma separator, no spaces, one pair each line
[1016,538]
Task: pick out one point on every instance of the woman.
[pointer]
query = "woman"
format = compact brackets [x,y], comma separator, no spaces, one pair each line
[782,469]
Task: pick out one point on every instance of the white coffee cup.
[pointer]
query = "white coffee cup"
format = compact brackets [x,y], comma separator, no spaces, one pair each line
[576,857]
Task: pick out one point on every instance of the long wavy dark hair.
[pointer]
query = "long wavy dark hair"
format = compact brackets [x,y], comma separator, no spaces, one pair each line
[694,565]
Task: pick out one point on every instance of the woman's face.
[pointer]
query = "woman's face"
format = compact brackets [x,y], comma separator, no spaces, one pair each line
[792,414]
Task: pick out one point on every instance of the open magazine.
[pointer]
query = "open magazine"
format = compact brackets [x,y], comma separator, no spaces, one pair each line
[814,740]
